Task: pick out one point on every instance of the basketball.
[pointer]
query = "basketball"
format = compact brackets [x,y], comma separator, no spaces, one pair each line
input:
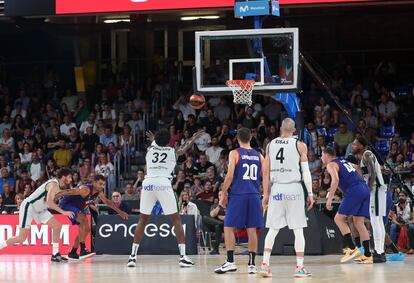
[197,101]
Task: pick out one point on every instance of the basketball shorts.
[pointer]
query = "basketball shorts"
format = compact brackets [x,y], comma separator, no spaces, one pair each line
[356,201]
[378,202]
[244,211]
[76,211]
[286,207]
[160,189]
[27,214]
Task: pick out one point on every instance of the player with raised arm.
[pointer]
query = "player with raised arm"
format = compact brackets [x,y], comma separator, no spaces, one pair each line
[35,207]
[286,168]
[160,162]
[244,208]
[355,203]
[78,200]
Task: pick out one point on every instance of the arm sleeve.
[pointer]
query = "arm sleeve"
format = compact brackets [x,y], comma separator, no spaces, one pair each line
[307,178]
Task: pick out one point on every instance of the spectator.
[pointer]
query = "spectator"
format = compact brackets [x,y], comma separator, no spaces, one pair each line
[403,215]
[202,165]
[174,136]
[189,167]
[36,168]
[136,123]
[106,169]
[224,135]
[184,107]
[5,178]
[8,194]
[321,112]
[108,137]
[108,114]
[178,182]
[213,179]
[6,142]
[316,186]
[315,165]
[26,155]
[138,182]
[191,125]
[387,109]
[85,169]
[207,193]
[67,126]
[89,140]
[17,127]
[342,138]
[62,156]
[126,140]
[222,111]
[222,163]
[90,122]
[70,100]
[22,181]
[196,189]
[18,110]
[28,190]
[117,200]
[203,141]
[6,124]
[130,193]
[213,151]
[2,207]
[81,113]
[272,110]
[53,141]
[211,123]
[215,223]
[189,208]
[18,199]
[51,169]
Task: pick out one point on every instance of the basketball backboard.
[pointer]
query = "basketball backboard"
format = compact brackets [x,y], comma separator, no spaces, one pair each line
[268,56]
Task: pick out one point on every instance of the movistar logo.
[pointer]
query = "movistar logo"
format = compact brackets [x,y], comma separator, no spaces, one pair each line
[244,9]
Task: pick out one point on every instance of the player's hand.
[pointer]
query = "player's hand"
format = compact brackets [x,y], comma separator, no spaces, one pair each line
[310,201]
[223,201]
[150,136]
[123,214]
[329,205]
[69,214]
[265,202]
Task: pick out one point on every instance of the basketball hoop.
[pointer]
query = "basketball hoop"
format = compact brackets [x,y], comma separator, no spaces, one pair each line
[242,91]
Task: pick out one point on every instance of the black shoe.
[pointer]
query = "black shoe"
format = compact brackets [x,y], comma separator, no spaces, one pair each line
[73,256]
[58,258]
[379,258]
[214,252]
[85,254]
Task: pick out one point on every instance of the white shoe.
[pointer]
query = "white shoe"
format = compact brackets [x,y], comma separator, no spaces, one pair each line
[132,261]
[185,262]
[251,269]
[226,267]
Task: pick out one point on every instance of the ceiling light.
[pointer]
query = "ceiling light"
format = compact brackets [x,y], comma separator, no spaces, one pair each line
[193,18]
[113,21]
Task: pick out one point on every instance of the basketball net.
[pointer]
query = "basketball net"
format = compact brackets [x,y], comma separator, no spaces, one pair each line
[242,91]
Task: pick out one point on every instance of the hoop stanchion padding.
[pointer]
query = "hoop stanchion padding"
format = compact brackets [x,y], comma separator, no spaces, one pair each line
[242,91]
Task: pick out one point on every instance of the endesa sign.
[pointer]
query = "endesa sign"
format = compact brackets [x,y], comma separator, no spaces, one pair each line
[39,240]
[107,6]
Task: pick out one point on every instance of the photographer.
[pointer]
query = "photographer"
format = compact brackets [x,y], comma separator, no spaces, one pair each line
[215,223]
[402,215]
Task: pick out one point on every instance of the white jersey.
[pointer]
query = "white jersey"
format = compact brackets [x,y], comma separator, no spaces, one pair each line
[160,161]
[284,161]
[379,180]
[38,198]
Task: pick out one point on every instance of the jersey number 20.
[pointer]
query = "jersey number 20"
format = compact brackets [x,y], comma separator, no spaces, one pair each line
[251,172]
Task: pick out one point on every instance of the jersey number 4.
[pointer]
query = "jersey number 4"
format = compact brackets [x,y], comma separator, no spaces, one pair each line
[157,158]
[279,155]
[251,172]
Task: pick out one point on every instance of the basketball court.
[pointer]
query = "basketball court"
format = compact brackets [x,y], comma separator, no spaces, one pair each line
[106,268]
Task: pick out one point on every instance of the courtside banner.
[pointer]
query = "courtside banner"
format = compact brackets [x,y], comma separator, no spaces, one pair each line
[39,240]
[107,6]
[114,235]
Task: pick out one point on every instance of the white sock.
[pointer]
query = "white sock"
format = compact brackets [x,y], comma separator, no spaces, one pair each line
[134,250]
[181,247]
[378,233]
[3,244]
[299,261]
[266,257]
[55,248]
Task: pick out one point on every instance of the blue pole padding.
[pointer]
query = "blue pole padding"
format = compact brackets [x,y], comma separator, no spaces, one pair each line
[290,101]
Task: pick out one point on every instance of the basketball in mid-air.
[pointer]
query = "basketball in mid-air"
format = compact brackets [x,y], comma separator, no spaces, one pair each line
[197,101]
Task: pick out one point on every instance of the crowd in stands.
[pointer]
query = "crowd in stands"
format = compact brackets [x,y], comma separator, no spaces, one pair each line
[43,129]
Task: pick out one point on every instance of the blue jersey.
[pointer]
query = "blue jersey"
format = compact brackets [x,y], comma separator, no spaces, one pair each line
[348,175]
[247,174]
[78,201]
